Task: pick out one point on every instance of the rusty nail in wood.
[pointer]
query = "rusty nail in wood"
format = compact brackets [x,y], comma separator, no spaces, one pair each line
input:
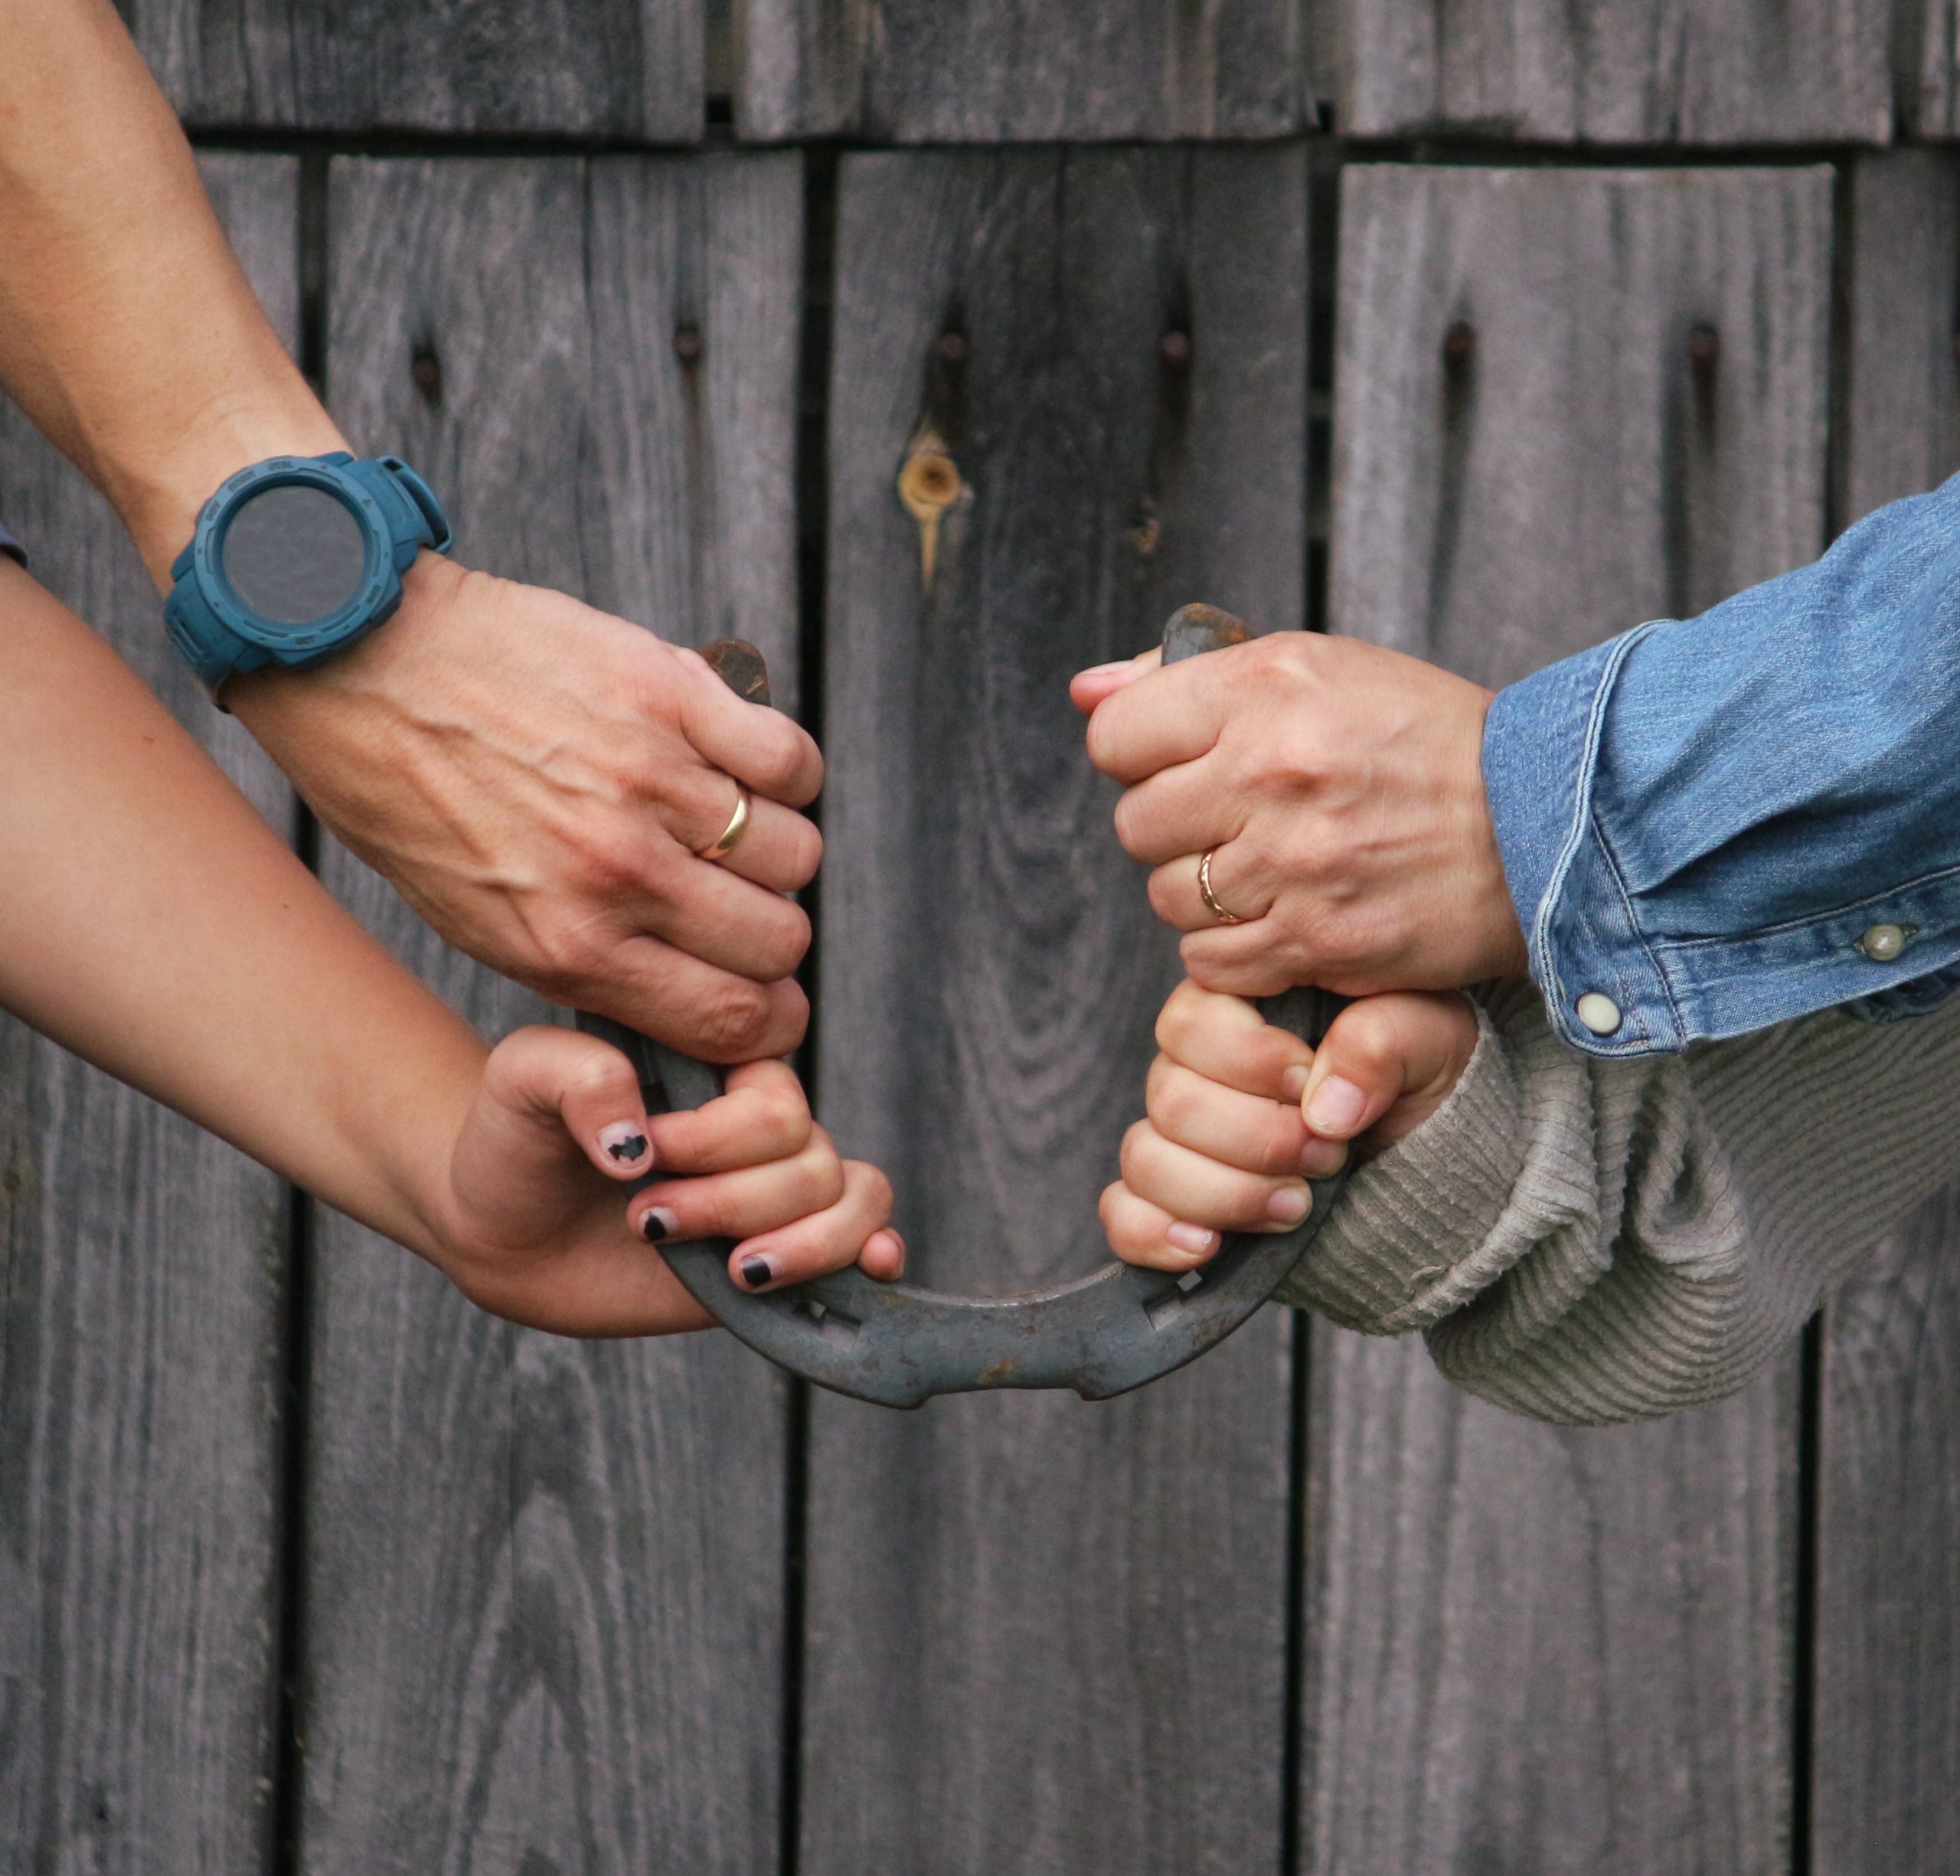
[1459,343]
[1174,348]
[686,343]
[1704,343]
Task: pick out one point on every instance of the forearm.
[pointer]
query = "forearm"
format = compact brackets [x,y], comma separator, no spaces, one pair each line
[128,331]
[1711,825]
[150,921]
[1589,1241]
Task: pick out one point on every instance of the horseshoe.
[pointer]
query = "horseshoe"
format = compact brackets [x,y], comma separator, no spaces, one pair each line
[899,1343]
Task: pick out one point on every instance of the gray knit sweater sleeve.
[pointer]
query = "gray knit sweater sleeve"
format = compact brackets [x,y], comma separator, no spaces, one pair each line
[1589,1240]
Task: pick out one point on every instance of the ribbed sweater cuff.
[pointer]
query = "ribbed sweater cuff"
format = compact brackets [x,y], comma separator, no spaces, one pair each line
[1391,1257]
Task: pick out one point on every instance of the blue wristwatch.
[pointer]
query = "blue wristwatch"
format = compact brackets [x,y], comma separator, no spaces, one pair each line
[296,558]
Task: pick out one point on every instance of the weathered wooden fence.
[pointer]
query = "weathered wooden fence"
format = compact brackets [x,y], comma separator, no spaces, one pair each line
[1482,331]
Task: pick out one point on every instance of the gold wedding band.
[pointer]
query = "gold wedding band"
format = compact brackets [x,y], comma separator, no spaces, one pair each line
[1210,897]
[731,834]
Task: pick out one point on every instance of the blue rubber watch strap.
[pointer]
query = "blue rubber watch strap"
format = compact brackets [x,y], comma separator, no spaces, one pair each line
[212,652]
[410,513]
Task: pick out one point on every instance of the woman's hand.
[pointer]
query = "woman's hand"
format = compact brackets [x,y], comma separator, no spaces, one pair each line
[536,778]
[1241,1114]
[1341,786]
[532,1227]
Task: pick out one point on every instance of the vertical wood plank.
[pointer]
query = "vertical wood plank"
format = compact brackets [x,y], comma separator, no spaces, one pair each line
[600,68]
[142,1285]
[1901,409]
[1565,401]
[545,1588]
[1887,1754]
[1620,71]
[1927,55]
[1887,1726]
[978,71]
[1044,1635]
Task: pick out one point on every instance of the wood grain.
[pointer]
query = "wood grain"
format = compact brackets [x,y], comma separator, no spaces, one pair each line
[142,1275]
[978,71]
[1927,68]
[600,67]
[1887,1753]
[1531,1648]
[1900,415]
[1618,71]
[1044,1635]
[1887,1726]
[545,1592]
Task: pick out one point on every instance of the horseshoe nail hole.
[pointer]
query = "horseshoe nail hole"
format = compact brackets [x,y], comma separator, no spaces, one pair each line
[1164,1309]
[834,1323]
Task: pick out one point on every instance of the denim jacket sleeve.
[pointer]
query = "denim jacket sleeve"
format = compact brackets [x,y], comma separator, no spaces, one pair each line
[1712,825]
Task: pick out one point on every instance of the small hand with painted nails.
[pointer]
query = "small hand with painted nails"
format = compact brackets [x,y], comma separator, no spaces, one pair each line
[1241,1114]
[532,1226]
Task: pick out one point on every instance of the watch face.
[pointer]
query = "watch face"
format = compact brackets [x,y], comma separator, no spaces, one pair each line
[294,554]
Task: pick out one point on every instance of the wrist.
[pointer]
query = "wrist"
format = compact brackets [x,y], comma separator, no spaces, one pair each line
[159,495]
[276,704]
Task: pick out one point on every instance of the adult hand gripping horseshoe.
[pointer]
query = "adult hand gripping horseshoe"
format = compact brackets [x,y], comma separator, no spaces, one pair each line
[900,1344]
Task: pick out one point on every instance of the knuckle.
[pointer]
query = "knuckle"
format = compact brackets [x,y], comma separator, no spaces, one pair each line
[1176,1104]
[568,957]
[874,1185]
[602,1075]
[733,1020]
[786,1116]
[777,760]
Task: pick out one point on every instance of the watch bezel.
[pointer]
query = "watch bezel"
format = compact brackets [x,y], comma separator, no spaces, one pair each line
[288,643]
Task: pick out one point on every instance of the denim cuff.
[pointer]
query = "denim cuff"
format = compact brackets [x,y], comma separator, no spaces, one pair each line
[1541,749]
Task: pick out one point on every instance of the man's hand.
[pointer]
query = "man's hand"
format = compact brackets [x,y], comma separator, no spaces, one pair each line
[536,777]
[1342,787]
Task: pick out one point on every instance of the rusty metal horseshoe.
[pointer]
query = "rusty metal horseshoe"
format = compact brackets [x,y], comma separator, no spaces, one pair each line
[899,1343]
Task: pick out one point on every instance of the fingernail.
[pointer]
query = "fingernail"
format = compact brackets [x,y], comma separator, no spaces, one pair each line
[757,1272]
[1293,1083]
[1336,1107]
[625,1142]
[1289,1205]
[658,1222]
[1319,1158]
[1194,1238]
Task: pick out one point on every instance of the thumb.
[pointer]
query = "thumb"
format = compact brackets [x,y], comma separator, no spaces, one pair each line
[1088,688]
[547,1090]
[1396,1055]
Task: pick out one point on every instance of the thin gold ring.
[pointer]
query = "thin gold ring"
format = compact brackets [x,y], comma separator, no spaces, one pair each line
[1210,897]
[731,834]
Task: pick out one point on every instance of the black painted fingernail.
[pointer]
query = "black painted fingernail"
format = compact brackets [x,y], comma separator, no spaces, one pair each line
[657,1224]
[757,1272]
[623,1141]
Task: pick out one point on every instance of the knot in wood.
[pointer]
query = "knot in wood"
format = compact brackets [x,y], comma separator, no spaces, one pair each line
[929,482]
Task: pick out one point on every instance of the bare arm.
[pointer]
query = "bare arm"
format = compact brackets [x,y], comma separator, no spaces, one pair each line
[128,331]
[150,921]
[535,776]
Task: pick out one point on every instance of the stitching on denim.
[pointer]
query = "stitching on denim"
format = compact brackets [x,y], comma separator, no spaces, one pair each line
[1582,813]
[1612,859]
[1810,920]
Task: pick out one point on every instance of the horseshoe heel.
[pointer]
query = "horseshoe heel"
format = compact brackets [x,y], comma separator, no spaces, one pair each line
[899,1343]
